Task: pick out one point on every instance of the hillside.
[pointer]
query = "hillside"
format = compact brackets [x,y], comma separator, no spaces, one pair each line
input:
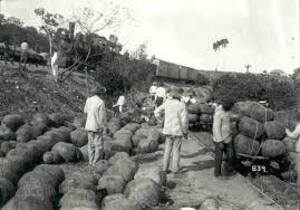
[37,92]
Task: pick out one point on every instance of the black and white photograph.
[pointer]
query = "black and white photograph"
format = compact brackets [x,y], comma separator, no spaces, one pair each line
[149,105]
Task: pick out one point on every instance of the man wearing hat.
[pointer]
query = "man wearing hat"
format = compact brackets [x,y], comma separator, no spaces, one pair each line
[175,128]
[95,124]
[152,90]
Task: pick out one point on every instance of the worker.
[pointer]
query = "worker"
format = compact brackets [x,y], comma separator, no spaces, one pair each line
[95,124]
[189,97]
[160,94]
[223,135]
[54,66]
[140,115]
[152,90]
[120,104]
[296,135]
[24,55]
[175,128]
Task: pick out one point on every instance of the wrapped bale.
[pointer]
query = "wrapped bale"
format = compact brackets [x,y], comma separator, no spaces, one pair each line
[140,134]
[24,158]
[206,118]
[24,133]
[253,110]
[118,156]
[52,158]
[41,118]
[192,118]
[57,119]
[123,204]
[7,146]
[209,204]
[69,152]
[101,166]
[7,190]
[54,171]
[245,145]
[123,167]
[290,144]
[78,180]
[79,122]
[132,127]
[79,137]
[273,148]
[36,189]
[204,93]
[274,130]
[6,134]
[114,124]
[111,184]
[144,191]
[290,176]
[121,145]
[28,203]
[207,109]
[110,198]
[154,173]
[9,170]
[79,198]
[147,146]
[13,121]
[251,128]
[38,130]
[38,176]
[194,109]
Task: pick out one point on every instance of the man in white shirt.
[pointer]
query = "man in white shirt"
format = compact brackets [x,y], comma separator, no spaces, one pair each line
[160,95]
[24,55]
[120,103]
[152,91]
[95,124]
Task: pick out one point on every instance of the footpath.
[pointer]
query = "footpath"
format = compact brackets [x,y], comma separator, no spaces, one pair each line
[198,184]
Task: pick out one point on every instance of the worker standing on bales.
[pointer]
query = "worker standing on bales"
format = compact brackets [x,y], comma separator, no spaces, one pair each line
[189,97]
[24,55]
[152,90]
[223,135]
[296,135]
[160,94]
[175,128]
[95,124]
[120,104]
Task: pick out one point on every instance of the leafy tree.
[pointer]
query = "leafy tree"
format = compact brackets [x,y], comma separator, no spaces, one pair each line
[248,66]
[217,45]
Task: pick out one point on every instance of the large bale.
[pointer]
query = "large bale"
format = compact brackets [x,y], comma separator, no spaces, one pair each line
[194,109]
[101,166]
[6,134]
[121,145]
[13,121]
[114,124]
[206,118]
[273,148]
[53,170]
[209,204]
[38,130]
[79,121]
[57,119]
[123,204]
[52,157]
[9,170]
[78,180]
[254,110]
[132,127]
[79,198]
[147,146]
[41,118]
[204,93]
[245,145]
[193,118]
[251,128]
[24,133]
[118,156]
[7,190]
[290,176]
[123,167]
[36,189]
[7,146]
[111,184]
[154,173]
[28,203]
[25,158]
[144,191]
[206,109]
[79,137]
[140,134]
[107,199]
[38,176]
[290,144]
[274,130]
[69,152]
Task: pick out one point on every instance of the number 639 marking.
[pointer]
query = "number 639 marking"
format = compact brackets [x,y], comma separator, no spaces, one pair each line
[258,168]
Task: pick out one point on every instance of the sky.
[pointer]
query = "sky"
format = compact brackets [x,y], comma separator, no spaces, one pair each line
[264,34]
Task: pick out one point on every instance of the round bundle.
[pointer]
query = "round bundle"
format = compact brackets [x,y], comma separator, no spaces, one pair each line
[192,117]
[251,128]
[273,148]
[7,146]
[41,118]
[52,157]
[7,190]
[112,184]
[245,145]
[57,119]
[194,109]
[121,203]
[28,203]
[206,118]
[6,133]
[150,144]
[154,173]
[79,137]
[274,130]
[69,152]
[114,124]
[13,121]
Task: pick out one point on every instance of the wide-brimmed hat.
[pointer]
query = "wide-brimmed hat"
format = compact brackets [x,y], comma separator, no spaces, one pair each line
[98,90]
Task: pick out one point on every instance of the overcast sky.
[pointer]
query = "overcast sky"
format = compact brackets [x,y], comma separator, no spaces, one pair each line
[262,33]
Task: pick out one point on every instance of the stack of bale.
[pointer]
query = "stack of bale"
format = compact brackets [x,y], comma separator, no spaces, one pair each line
[258,133]
[37,189]
[200,113]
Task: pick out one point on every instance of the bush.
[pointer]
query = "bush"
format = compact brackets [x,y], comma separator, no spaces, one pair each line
[281,94]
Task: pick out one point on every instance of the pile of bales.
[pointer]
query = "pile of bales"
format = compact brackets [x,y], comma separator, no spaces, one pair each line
[258,134]
[200,113]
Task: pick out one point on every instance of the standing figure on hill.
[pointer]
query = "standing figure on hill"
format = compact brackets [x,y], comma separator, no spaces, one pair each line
[95,124]
[24,55]
[296,135]
[120,104]
[175,128]
[160,94]
[223,135]
[152,90]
